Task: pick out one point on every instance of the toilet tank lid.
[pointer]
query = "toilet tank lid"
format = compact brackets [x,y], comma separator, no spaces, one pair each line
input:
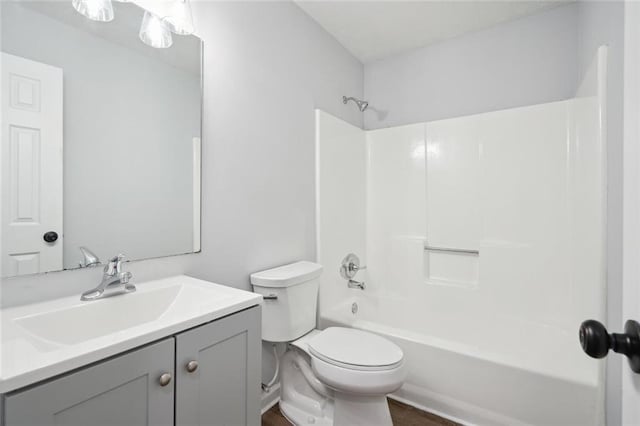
[287,275]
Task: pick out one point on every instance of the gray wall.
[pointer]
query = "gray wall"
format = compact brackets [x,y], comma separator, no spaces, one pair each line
[523,62]
[268,65]
[129,121]
[603,23]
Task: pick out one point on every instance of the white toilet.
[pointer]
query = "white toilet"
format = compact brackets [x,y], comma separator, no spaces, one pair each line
[338,376]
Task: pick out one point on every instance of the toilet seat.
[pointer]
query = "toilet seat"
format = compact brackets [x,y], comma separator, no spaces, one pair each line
[354,361]
[355,349]
[358,382]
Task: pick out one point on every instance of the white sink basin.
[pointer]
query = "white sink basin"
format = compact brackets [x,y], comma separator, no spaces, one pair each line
[90,320]
[45,339]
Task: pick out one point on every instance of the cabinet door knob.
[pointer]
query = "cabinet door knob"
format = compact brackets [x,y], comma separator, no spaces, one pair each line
[192,366]
[165,379]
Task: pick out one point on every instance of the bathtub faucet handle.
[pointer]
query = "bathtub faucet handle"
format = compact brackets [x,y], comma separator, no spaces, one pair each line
[355,268]
[350,266]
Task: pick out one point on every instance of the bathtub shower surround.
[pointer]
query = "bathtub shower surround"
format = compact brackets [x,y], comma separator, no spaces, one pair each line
[340,202]
[484,238]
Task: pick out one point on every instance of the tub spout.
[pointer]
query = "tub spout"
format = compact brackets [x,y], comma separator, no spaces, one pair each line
[356,284]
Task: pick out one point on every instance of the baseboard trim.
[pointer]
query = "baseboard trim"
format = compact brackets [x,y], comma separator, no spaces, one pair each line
[270,398]
[451,408]
[430,410]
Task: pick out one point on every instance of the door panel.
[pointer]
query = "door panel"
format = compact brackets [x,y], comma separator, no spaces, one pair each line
[31,166]
[124,391]
[224,390]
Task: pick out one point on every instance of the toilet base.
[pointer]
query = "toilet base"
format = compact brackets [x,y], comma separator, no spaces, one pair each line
[300,417]
[304,400]
[350,410]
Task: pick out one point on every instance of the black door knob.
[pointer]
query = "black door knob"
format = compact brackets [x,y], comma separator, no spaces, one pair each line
[50,236]
[596,341]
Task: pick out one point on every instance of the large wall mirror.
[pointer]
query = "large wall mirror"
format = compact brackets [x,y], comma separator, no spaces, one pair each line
[100,139]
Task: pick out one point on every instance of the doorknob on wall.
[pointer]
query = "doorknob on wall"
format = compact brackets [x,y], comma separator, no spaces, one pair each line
[596,341]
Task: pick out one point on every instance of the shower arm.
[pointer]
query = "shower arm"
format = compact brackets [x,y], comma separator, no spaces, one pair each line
[362,105]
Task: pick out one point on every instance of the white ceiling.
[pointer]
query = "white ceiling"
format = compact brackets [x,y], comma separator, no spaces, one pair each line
[372,29]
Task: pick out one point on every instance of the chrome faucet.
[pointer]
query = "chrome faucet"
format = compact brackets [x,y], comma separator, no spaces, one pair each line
[349,268]
[114,281]
[356,284]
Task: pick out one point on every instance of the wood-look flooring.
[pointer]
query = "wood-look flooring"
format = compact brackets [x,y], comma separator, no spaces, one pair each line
[401,414]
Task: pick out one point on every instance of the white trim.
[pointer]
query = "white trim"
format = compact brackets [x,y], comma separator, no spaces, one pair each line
[197,173]
[270,398]
[430,410]
[451,408]
[317,114]
[631,200]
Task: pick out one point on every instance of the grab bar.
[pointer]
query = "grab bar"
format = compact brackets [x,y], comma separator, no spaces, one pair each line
[451,250]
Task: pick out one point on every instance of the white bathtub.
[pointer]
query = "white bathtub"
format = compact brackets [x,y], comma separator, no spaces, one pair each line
[474,373]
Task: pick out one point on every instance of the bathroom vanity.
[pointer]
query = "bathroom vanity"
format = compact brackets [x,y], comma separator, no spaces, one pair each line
[176,351]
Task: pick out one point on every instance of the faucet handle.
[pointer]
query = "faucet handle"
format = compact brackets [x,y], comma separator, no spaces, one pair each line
[125,277]
[89,258]
[350,266]
[355,267]
[114,266]
[117,258]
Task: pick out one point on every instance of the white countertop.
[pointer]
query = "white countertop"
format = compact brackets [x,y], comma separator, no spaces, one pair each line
[42,340]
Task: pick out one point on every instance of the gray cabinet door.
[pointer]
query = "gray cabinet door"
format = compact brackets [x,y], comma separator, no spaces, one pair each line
[224,390]
[123,391]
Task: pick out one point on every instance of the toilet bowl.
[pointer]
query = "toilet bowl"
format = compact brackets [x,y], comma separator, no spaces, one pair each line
[334,377]
[325,381]
[357,362]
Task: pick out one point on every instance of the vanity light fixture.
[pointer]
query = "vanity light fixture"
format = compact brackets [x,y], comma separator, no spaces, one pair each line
[154,32]
[180,19]
[96,10]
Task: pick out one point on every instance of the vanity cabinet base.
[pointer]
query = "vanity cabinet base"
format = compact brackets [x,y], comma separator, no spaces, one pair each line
[123,391]
[224,388]
[209,375]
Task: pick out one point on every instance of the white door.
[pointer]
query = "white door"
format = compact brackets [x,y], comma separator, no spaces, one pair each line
[631,226]
[31,161]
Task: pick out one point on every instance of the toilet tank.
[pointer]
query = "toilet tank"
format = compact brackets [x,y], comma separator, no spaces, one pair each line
[290,298]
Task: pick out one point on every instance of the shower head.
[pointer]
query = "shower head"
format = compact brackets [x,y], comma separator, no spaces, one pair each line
[362,105]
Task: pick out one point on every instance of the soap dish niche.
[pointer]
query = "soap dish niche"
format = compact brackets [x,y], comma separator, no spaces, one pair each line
[453,267]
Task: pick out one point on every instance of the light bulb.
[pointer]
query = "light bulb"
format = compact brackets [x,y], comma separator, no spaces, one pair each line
[180,19]
[96,10]
[154,32]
